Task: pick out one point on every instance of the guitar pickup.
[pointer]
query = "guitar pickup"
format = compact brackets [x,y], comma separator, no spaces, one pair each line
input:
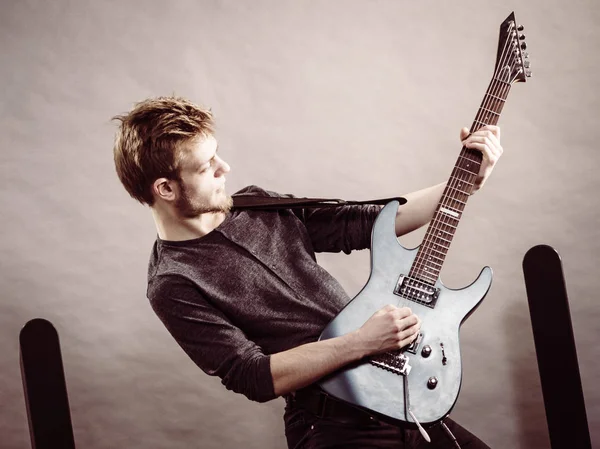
[417,291]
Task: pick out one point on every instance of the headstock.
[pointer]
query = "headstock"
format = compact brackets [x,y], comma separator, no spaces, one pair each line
[512,65]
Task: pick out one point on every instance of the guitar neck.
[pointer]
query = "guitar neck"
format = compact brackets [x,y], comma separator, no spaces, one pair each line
[432,253]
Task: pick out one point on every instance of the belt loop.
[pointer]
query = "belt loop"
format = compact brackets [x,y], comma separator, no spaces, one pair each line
[322,403]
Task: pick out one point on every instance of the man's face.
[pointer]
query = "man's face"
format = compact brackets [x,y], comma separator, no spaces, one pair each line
[202,185]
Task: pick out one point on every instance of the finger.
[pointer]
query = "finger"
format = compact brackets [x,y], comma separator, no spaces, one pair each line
[487,152]
[484,134]
[480,141]
[407,322]
[464,133]
[491,134]
[406,334]
[415,326]
[384,310]
[402,313]
[406,340]
[494,129]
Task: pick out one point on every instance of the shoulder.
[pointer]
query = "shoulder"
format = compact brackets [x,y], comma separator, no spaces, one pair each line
[165,291]
[254,190]
[165,283]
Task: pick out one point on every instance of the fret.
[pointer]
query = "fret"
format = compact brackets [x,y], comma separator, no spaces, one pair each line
[430,262]
[451,215]
[441,238]
[430,275]
[502,81]
[447,197]
[437,217]
[458,190]
[454,193]
[439,245]
[464,169]
[419,265]
[444,224]
[445,232]
[435,250]
[475,161]
[430,278]
[441,226]
[429,257]
[427,269]
[487,110]
[435,246]
[462,180]
[481,123]
[447,213]
[497,98]
[470,155]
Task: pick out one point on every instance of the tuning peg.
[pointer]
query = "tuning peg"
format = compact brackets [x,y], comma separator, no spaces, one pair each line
[526,64]
[520,28]
[522,36]
[528,73]
[526,55]
[523,45]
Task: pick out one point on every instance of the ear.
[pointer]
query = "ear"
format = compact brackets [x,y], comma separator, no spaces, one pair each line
[165,189]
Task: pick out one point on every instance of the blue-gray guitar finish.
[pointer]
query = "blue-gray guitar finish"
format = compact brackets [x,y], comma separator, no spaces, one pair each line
[382,391]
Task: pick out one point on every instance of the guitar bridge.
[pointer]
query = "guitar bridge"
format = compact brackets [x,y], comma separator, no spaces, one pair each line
[417,291]
[395,361]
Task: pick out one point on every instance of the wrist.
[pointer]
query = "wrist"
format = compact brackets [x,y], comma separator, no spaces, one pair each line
[355,346]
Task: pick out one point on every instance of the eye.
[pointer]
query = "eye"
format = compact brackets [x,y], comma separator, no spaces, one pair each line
[210,163]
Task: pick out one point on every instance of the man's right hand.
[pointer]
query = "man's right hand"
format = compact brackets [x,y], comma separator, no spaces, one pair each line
[390,328]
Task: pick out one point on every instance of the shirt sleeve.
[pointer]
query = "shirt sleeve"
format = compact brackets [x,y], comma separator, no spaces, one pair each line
[206,335]
[338,229]
[332,229]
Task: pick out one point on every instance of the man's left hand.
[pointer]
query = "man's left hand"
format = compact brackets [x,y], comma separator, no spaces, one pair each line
[486,140]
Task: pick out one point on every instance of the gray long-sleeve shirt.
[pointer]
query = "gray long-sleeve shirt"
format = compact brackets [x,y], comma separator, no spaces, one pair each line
[252,287]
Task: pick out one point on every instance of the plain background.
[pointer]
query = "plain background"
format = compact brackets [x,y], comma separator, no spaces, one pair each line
[352,99]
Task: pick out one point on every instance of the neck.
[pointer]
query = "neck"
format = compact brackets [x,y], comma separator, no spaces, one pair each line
[174,228]
[432,253]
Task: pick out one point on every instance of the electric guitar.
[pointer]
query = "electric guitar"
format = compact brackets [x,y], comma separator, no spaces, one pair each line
[420,383]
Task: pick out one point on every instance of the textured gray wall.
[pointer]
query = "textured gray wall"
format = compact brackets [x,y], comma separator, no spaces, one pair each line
[352,99]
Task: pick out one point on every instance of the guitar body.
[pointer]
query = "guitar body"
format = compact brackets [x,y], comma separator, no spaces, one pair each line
[377,389]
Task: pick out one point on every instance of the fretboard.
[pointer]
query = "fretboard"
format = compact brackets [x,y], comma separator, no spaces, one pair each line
[432,253]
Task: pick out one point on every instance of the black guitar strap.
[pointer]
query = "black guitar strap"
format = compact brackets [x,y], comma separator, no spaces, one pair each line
[275,203]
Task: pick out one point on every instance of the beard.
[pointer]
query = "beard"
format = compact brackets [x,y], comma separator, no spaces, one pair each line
[189,207]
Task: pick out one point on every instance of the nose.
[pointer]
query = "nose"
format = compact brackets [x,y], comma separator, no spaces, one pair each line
[223,167]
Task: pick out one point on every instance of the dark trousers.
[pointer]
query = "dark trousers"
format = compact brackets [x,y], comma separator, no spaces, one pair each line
[304,430]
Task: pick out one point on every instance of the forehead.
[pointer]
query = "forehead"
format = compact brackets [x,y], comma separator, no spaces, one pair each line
[199,151]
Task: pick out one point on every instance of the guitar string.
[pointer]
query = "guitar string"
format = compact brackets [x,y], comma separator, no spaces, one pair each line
[457,177]
[421,263]
[461,178]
